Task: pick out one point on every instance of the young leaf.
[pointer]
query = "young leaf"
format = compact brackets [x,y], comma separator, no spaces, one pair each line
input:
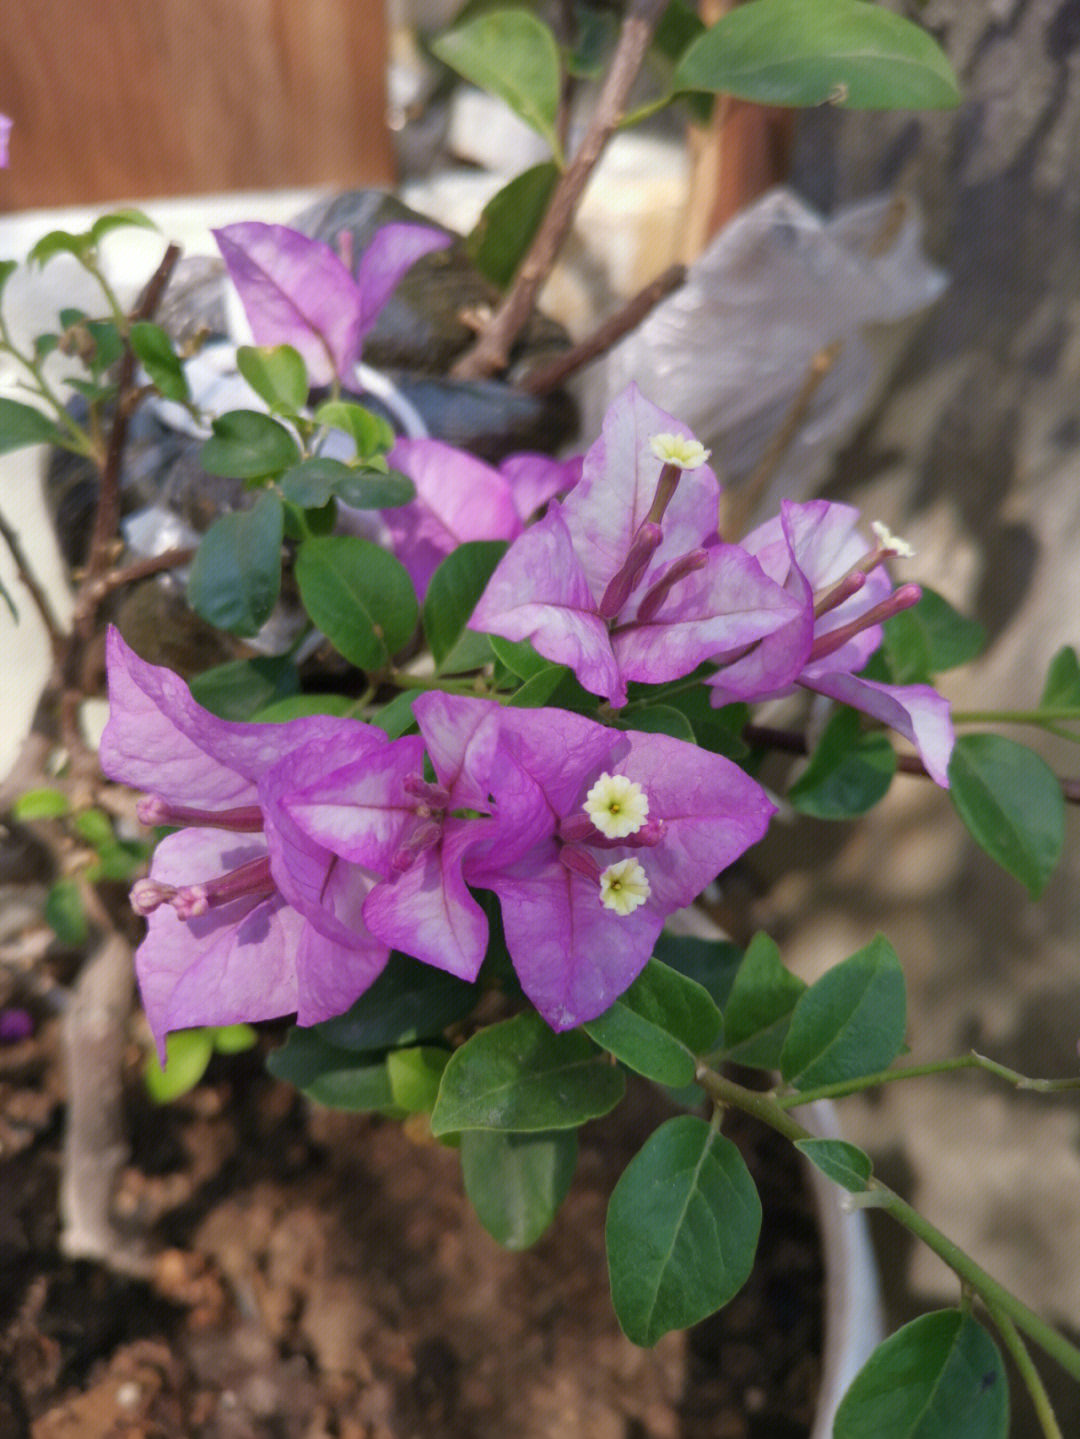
[940,1377]
[414,1076]
[847,52]
[40,804]
[508,222]
[359,595]
[396,717]
[845,1164]
[661,719]
[331,1076]
[371,434]
[277,374]
[409,1001]
[236,574]
[538,689]
[160,361]
[374,489]
[659,1026]
[1062,680]
[682,1230]
[712,963]
[516,1182]
[240,689]
[451,597]
[929,638]
[514,55]
[759,1008]
[850,1023]
[233,1038]
[119,220]
[246,445]
[22,425]
[65,914]
[187,1053]
[848,772]
[519,657]
[1011,804]
[520,1076]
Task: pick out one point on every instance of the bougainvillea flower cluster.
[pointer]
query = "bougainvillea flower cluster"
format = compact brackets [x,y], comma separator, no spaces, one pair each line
[306,850]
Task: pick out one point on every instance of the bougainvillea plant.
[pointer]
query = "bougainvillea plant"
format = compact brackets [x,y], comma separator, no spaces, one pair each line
[541,744]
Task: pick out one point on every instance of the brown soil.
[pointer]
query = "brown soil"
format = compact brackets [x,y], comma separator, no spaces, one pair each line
[320,1276]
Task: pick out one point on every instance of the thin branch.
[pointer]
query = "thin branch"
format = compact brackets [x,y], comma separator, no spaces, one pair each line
[95,591]
[492,350]
[108,510]
[546,378]
[1022,1359]
[36,590]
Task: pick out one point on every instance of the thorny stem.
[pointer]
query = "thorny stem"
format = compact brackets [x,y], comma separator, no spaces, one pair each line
[919,1071]
[722,1090]
[491,351]
[1044,1410]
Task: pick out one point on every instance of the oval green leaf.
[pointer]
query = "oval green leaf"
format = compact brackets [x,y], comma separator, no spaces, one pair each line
[940,1377]
[236,574]
[682,1230]
[847,52]
[247,445]
[509,221]
[409,1001]
[414,1076]
[848,772]
[845,1164]
[452,595]
[160,361]
[1012,805]
[521,1076]
[187,1053]
[929,638]
[758,1010]
[331,1076]
[359,595]
[516,1182]
[514,55]
[659,1026]
[277,374]
[240,689]
[371,434]
[22,425]
[1062,680]
[850,1023]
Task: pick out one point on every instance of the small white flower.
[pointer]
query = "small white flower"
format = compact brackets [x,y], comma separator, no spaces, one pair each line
[888,541]
[617,806]
[680,450]
[623,886]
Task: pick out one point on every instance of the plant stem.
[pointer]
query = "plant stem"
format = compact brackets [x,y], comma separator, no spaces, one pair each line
[1018,1349]
[492,350]
[53,627]
[918,1071]
[766,1108]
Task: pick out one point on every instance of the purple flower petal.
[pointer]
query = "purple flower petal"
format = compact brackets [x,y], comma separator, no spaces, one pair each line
[296,291]
[394,249]
[917,712]
[6,124]
[536,479]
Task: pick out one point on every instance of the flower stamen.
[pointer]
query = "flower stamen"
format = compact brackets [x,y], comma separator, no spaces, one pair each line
[624,886]
[617,806]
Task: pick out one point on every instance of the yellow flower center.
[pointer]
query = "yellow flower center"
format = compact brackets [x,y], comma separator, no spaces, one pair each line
[623,886]
[617,806]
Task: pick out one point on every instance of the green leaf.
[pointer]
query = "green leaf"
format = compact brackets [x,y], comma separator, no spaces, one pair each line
[679,25]
[40,804]
[154,348]
[374,489]
[521,1076]
[929,638]
[65,915]
[845,1164]
[1062,686]
[719,730]
[107,346]
[247,445]
[310,484]
[22,425]
[659,1026]
[660,719]
[414,1076]
[95,827]
[712,963]
[509,221]
[538,689]
[277,374]
[237,691]
[452,595]
[119,220]
[359,595]
[396,717]
[682,1230]
[516,1182]
[233,1038]
[848,772]
[759,1008]
[236,573]
[514,55]
[850,1023]
[940,1377]
[7,269]
[519,657]
[371,434]
[187,1053]
[1011,804]
[60,242]
[788,52]
[331,1076]
[301,705]
[409,1001]
[595,32]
